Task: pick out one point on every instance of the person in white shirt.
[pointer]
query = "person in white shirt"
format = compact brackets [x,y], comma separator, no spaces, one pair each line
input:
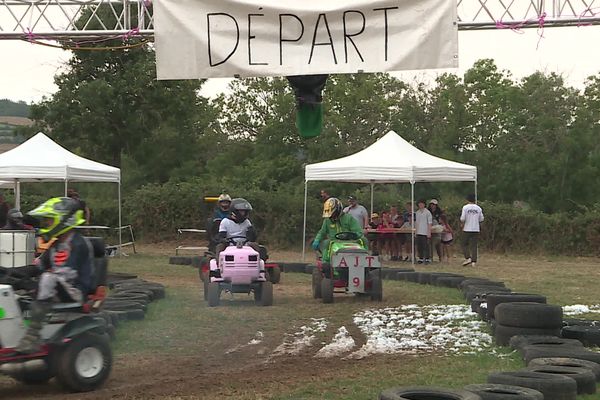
[470,218]
[237,227]
[423,221]
[357,211]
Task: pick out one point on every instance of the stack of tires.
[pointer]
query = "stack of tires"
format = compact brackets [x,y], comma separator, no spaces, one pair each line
[525,318]
[128,300]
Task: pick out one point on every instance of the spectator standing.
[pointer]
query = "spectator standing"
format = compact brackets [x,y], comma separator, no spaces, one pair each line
[447,238]
[423,221]
[324,195]
[436,229]
[385,237]
[14,222]
[408,220]
[375,241]
[72,193]
[358,212]
[470,218]
[4,207]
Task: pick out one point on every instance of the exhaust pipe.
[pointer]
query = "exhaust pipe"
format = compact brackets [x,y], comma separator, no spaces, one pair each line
[23,367]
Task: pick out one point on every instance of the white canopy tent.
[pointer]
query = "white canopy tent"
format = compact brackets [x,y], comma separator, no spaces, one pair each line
[40,159]
[390,159]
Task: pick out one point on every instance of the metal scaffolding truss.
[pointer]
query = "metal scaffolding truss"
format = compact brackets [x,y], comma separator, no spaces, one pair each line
[98,19]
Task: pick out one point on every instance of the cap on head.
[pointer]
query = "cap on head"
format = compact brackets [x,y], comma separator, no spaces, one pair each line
[352,198]
[433,201]
[374,215]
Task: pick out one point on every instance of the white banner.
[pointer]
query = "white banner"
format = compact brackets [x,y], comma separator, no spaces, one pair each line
[227,38]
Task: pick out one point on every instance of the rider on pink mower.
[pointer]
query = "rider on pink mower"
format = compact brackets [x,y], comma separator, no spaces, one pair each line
[335,221]
[237,226]
[66,264]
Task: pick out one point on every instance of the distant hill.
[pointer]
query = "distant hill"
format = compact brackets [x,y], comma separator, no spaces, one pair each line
[13,109]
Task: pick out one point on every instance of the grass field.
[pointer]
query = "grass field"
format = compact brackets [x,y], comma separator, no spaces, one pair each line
[183,349]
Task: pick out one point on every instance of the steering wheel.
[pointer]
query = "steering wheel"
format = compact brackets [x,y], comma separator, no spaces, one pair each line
[230,239]
[346,236]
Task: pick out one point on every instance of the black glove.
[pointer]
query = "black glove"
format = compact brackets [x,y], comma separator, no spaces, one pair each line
[222,237]
[251,234]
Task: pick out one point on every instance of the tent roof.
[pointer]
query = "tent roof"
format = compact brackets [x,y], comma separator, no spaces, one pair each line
[390,159]
[41,159]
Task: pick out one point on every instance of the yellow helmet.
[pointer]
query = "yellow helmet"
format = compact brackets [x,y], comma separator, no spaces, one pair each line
[64,213]
[332,208]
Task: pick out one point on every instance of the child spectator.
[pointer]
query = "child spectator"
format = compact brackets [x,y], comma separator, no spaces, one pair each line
[447,238]
[374,241]
[386,237]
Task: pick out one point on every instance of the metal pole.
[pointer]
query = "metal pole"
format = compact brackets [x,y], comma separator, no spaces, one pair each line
[120,223]
[304,224]
[372,184]
[412,220]
[475,191]
[17,194]
[66,186]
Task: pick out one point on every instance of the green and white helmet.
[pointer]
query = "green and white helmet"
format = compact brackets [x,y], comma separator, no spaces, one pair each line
[64,213]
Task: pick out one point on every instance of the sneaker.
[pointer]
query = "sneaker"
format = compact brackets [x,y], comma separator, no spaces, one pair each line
[406,259]
[427,261]
[420,261]
[466,262]
[473,264]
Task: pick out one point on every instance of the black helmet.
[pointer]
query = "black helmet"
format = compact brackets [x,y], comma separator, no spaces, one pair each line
[14,216]
[240,209]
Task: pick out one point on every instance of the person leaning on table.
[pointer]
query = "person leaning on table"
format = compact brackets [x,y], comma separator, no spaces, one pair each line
[470,218]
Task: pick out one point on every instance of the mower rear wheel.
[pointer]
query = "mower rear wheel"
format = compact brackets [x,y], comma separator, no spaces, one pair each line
[275,274]
[34,377]
[317,277]
[376,286]
[214,294]
[85,363]
[266,294]
[327,290]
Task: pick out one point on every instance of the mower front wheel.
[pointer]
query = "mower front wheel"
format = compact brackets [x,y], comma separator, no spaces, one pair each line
[266,294]
[376,286]
[327,290]
[275,275]
[214,294]
[317,277]
[85,363]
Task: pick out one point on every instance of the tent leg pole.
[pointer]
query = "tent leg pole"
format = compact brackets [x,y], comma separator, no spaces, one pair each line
[120,223]
[304,224]
[66,186]
[475,192]
[477,248]
[17,194]
[372,184]
[412,220]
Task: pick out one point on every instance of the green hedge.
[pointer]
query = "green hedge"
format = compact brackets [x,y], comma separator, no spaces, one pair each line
[156,211]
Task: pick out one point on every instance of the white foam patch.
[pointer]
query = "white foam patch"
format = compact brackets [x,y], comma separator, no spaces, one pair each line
[297,342]
[578,309]
[258,338]
[341,343]
[416,329]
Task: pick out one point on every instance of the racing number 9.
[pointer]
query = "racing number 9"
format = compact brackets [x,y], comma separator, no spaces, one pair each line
[356,281]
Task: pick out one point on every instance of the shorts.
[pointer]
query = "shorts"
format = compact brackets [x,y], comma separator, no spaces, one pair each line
[447,242]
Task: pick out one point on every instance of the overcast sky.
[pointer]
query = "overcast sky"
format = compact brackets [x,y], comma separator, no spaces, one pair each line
[27,70]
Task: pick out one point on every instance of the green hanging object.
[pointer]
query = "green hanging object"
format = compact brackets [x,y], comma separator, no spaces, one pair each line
[309,103]
[309,120]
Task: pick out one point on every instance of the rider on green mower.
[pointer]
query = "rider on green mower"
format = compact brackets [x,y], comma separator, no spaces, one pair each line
[334,222]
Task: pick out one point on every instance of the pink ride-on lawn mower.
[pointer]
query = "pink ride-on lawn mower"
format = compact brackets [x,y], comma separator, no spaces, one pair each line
[239,269]
[351,270]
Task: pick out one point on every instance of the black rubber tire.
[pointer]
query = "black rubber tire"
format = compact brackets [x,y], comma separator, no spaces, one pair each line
[426,393]
[493,299]
[135,314]
[408,276]
[423,278]
[180,260]
[552,386]
[266,294]
[476,304]
[100,271]
[309,269]
[120,316]
[327,290]
[483,291]
[482,312]
[567,362]
[98,246]
[503,333]
[317,277]
[294,267]
[580,321]
[66,372]
[585,379]
[435,276]
[531,352]
[158,290]
[529,315]
[122,305]
[479,281]
[588,335]
[145,292]
[392,273]
[376,286]
[449,281]
[275,275]
[214,294]
[518,342]
[495,391]
[141,297]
